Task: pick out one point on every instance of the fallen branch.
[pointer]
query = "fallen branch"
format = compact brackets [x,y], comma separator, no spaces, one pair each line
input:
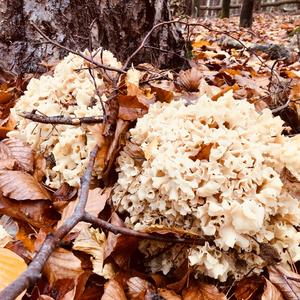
[33,272]
[62,120]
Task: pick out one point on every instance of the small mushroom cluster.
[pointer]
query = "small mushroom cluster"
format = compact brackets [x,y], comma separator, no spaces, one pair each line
[69,92]
[216,169]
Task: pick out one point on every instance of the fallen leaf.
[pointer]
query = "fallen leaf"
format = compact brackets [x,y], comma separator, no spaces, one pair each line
[11,267]
[19,185]
[130,108]
[95,204]
[248,288]
[190,79]
[92,242]
[4,237]
[37,213]
[164,91]
[113,291]
[271,292]
[62,264]
[202,291]
[20,152]
[119,245]
[286,281]
[168,294]
[138,288]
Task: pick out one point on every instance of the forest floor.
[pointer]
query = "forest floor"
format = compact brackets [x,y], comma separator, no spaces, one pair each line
[261,64]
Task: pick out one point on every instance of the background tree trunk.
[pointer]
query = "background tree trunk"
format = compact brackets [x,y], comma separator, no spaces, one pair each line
[225,12]
[119,27]
[246,17]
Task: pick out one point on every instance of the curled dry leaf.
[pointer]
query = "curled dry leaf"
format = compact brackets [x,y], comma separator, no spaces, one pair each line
[202,291]
[19,185]
[138,288]
[92,242]
[190,79]
[271,292]
[113,291]
[18,151]
[11,266]
[286,281]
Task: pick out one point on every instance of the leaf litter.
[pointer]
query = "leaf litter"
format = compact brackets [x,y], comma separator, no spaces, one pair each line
[260,65]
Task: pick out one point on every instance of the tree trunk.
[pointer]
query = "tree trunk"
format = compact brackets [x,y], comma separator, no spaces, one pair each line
[225,12]
[119,26]
[246,17]
[257,5]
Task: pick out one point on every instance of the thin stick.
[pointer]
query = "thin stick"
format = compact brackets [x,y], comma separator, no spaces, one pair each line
[33,272]
[62,120]
[140,235]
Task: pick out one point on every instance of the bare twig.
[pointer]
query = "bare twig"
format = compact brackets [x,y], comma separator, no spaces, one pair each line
[63,120]
[52,241]
[140,235]
[106,67]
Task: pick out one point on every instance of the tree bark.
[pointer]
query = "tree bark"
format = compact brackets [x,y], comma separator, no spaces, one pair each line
[225,12]
[246,17]
[119,26]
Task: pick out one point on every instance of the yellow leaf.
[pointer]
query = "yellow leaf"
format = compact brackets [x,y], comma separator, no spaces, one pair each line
[11,267]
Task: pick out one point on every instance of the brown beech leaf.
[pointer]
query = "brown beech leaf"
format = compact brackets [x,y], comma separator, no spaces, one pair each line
[286,281]
[114,148]
[202,291]
[271,292]
[248,288]
[19,185]
[164,91]
[138,288]
[130,108]
[37,213]
[19,151]
[118,244]
[169,295]
[63,195]
[95,203]
[62,264]
[113,291]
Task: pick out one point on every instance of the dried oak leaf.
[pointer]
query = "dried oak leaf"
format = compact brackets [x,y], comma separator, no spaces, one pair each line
[19,185]
[202,291]
[113,291]
[22,154]
[286,281]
